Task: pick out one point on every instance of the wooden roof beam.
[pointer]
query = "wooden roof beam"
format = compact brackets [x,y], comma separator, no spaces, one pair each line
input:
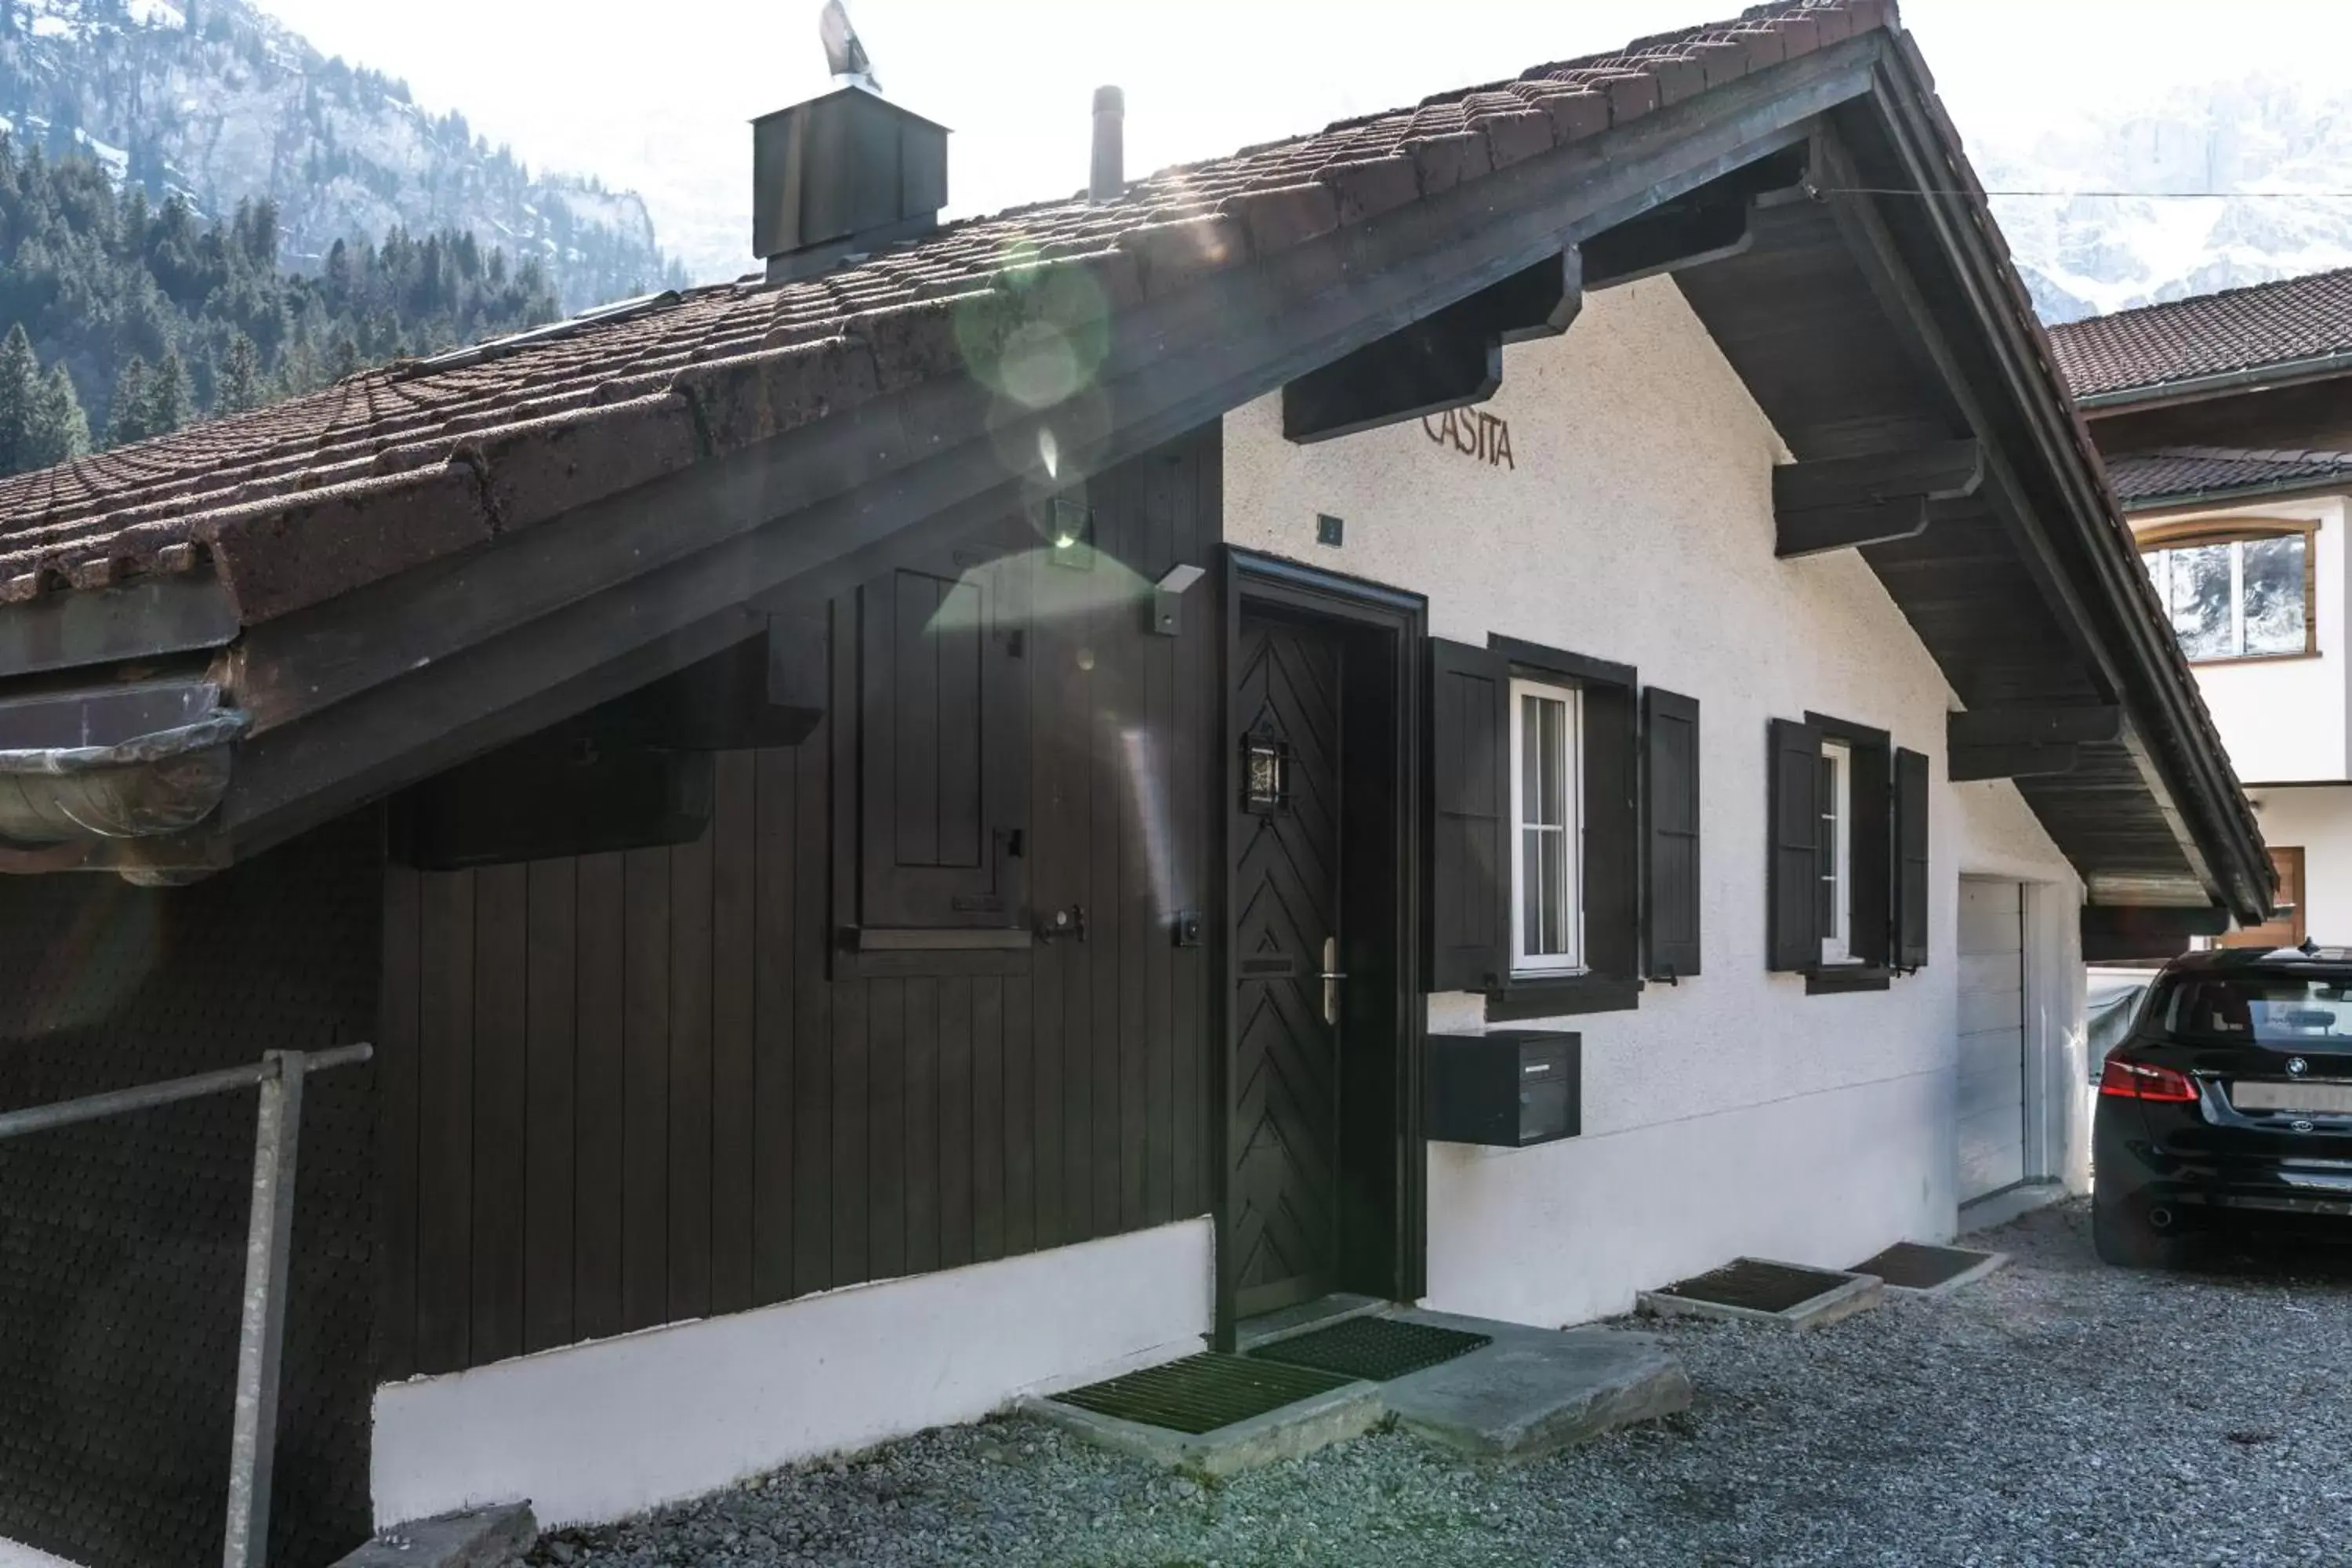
[1448,360]
[2025,742]
[1840,503]
[2113,933]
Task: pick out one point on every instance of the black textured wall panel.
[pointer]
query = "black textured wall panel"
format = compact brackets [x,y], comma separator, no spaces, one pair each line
[121,1242]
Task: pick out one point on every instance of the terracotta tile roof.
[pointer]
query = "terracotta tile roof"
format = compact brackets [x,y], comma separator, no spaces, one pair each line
[2169,472]
[396,467]
[2208,334]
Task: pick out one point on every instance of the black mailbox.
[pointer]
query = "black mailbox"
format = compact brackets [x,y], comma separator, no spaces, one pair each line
[1507,1090]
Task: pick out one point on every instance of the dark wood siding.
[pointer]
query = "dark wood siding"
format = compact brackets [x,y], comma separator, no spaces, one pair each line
[647,1087]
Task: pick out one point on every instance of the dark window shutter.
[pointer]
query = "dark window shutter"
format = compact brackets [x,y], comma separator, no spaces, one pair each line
[1670,834]
[1792,934]
[1613,847]
[1469,882]
[1910,860]
[943,746]
[1872,940]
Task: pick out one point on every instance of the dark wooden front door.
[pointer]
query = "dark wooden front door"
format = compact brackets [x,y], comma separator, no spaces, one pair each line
[1287,891]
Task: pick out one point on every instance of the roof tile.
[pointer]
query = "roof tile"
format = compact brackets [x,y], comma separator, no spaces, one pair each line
[2153,346]
[1283,216]
[743,400]
[279,557]
[1370,186]
[543,469]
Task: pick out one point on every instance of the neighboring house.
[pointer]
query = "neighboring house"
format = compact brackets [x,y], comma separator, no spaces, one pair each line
[2226,423]
[853,929]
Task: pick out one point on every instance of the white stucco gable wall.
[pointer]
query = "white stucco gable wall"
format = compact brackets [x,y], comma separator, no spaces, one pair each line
[1732,1113]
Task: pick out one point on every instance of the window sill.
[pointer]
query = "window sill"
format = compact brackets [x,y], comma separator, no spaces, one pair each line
[871,954]
[1567,996]
[1844,979]
[2253,658]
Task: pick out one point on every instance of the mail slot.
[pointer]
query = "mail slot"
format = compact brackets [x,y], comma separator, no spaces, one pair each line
[1507,1090]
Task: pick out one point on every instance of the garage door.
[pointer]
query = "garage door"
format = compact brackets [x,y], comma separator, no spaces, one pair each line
[1992,1037]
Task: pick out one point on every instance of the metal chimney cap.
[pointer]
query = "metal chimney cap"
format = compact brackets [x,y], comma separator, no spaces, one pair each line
[1110,101]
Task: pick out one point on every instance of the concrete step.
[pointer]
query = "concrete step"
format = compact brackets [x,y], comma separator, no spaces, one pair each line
[1349,1411]
[1841,1296]
[1536,1390]
[1529,1392]
[485,1537]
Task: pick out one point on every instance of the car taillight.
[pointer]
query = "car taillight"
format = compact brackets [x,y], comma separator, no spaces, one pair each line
[2137,1081]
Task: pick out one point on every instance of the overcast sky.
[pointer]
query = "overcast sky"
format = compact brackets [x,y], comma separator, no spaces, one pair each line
[654,94]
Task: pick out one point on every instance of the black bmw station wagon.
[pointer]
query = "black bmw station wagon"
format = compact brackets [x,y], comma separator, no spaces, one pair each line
[2228,1104]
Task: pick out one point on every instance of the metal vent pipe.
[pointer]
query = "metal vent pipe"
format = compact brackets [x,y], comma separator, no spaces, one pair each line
[1108,181]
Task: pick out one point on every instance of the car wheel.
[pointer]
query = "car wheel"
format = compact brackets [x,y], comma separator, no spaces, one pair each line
[2121,1236]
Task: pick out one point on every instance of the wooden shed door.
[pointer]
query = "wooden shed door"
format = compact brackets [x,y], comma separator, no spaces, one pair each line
[1286,894]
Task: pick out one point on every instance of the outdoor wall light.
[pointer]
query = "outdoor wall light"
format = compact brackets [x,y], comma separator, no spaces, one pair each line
[1167,599]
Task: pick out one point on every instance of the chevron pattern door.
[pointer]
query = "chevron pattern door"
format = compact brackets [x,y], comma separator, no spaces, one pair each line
[1286,888]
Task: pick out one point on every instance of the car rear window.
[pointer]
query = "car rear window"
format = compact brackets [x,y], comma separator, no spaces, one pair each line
[2259,1009]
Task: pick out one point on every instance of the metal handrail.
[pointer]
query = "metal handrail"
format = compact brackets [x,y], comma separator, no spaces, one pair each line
[268,1243]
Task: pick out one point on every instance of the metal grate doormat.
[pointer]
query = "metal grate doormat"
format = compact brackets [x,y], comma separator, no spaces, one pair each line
[1758,1285]
[1908,1265]
[1202,1393]
[1373,1349]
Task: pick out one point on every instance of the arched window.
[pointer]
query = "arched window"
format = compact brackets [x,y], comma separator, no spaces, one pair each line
[2240,588]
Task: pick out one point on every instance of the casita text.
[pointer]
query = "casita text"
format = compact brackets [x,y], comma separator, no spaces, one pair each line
[1473,434]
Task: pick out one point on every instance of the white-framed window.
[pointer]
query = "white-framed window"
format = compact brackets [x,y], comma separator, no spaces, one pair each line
[1548,817]
[2243,597]
[1835,845]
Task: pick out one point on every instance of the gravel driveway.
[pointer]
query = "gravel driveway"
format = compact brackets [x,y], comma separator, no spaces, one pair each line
[2057,1412]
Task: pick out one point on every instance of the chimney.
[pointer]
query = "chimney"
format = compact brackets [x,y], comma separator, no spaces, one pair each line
[846,173]
[1108,183]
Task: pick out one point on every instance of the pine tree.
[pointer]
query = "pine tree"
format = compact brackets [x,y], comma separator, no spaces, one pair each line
[20,396]
[240,388]
[170,400]
[126,416]
[60,430]
[343,357]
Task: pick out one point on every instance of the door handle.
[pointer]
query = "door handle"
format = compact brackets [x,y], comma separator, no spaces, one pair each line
[1331,976]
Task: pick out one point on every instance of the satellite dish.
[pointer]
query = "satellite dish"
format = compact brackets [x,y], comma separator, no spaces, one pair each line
[844,55]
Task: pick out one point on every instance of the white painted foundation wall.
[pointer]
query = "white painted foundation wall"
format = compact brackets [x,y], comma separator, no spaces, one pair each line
[1732,1113]
[595,1432]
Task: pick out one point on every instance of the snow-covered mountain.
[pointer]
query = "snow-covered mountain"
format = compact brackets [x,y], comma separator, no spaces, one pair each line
[2282,154]
[216,100]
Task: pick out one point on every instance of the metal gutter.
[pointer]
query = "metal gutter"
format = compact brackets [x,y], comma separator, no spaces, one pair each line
[2195,388]
[133,761]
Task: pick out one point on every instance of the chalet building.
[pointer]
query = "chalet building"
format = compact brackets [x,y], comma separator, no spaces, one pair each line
[979,808]
[2226,423]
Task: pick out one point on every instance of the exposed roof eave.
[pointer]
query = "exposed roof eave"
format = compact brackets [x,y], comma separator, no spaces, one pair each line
[2184,748]
[479,634]
[402,678]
